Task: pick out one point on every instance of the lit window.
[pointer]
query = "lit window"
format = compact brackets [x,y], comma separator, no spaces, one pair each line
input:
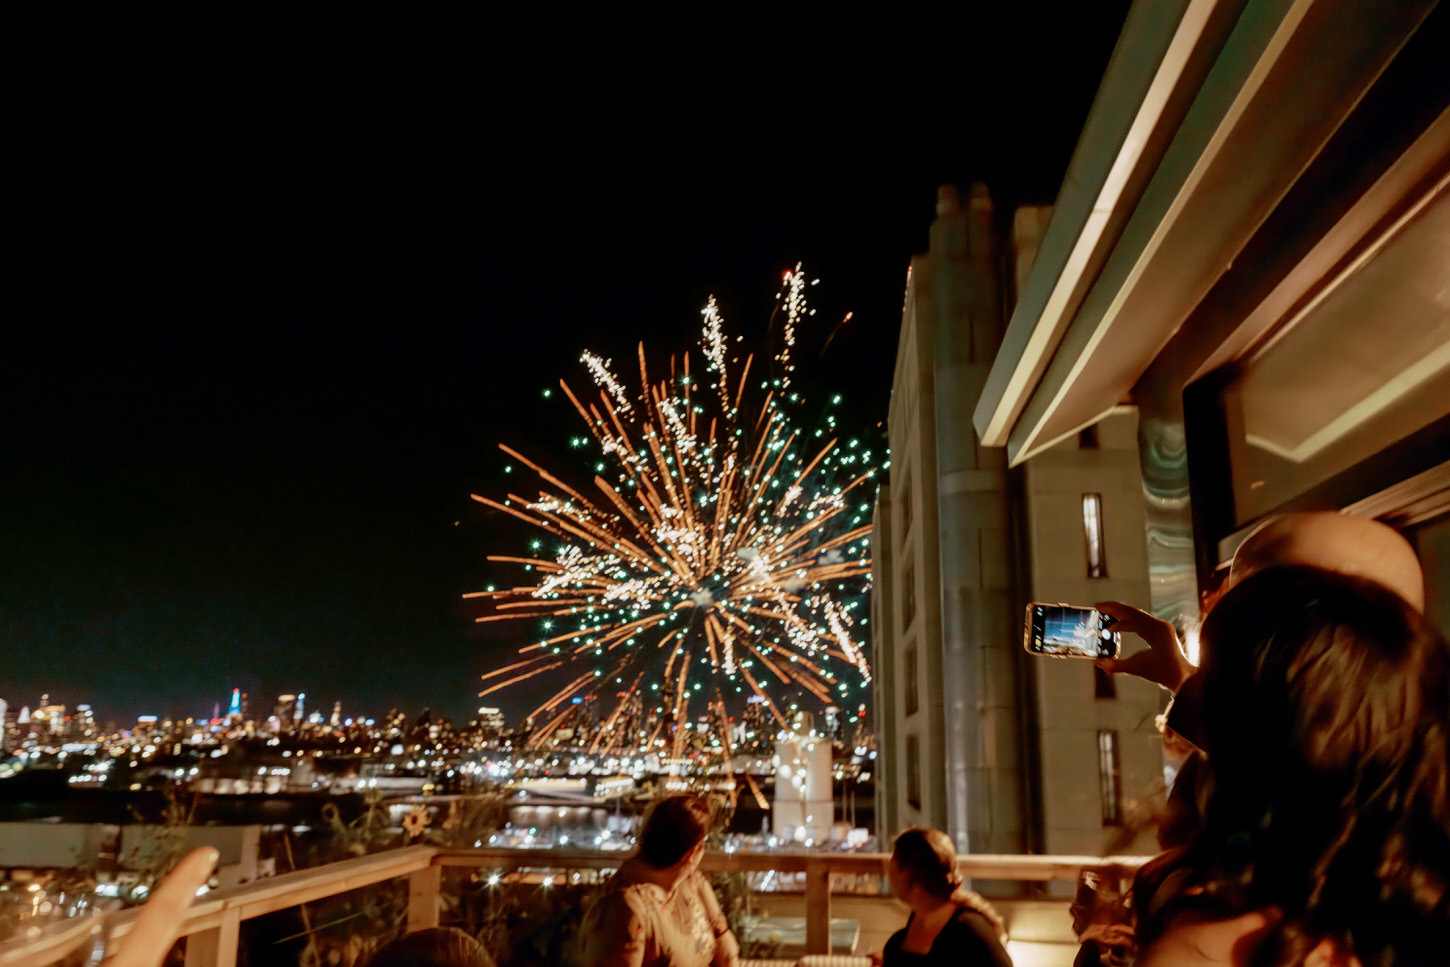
[1092,529]
[1110,778]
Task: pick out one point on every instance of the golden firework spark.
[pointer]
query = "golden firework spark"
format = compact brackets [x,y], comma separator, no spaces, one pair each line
[726,549]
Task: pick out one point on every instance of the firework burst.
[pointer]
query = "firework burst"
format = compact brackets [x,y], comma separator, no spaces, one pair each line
[723,555]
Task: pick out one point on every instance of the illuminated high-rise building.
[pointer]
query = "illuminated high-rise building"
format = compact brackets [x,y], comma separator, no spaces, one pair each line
[833,723]
[285,712]
[234,711]
[336,719]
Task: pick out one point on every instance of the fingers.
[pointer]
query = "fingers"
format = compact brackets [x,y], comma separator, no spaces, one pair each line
[1120,611]
[159,923]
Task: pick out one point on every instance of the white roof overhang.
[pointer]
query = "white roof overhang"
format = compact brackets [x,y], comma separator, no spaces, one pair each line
[1207,114]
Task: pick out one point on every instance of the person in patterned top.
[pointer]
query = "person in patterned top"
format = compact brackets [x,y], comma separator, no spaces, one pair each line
[658,911]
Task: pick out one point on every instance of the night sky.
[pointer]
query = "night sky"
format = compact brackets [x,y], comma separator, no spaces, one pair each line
[256,350]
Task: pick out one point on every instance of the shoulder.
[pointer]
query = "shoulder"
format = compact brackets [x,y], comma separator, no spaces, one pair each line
[972,930]
[1188,942]
[624,901]
[970,920]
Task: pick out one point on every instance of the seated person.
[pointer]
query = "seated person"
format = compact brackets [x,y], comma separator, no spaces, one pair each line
[949,924]
[658,911]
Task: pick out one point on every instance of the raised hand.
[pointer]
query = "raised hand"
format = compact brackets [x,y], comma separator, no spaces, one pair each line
[1163,663]
[159,922]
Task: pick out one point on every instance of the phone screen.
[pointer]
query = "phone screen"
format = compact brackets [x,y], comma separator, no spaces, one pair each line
[1068,632]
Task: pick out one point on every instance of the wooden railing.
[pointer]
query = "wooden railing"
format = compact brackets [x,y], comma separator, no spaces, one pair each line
[214,923]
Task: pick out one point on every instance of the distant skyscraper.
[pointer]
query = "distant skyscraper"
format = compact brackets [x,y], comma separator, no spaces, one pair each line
[336,719]
[4,730]
[235,709]
[286,711]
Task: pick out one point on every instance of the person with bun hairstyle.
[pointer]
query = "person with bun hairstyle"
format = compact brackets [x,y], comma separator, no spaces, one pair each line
[949,924]
[658,911]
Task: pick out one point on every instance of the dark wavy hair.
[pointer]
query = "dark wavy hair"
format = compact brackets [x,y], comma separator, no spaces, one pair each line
[1326,709]
[435,947]
[672,827]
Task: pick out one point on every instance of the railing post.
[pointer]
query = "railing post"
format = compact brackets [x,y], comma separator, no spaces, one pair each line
[423,889]
[216,947]
[818,906]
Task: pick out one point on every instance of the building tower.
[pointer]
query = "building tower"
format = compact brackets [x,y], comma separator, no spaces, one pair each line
[1006,752]
[285,712]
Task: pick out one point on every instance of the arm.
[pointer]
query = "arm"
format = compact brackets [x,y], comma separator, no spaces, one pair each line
[727,948]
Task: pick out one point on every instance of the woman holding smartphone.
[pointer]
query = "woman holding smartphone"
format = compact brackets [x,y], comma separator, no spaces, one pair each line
[1323,838]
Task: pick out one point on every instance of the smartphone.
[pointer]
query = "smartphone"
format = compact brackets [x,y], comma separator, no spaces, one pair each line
[1064,631]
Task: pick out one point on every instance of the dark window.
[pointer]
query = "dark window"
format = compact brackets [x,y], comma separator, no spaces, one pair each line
[905,510]
[908,595]
[1092,531]
[1110,778]
[1103,686]
[913,771]
[912,701]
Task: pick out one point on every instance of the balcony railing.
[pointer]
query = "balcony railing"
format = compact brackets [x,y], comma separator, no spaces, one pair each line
[213,926]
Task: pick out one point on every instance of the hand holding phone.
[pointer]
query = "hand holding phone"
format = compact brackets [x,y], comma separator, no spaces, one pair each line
[1164,663]
[1066,631]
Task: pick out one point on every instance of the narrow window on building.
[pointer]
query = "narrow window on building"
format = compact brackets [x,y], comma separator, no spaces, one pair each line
[908,596]
[1110,778]
[1103,686]
[1092,529]
[913,771]
[1087,438]
[912,702]
[905,522]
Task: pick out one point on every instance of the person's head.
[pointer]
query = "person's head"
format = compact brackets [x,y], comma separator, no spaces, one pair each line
[1326,711]
[1349,545]
[436,947]
[925,860]
[1352,546]
[674,832]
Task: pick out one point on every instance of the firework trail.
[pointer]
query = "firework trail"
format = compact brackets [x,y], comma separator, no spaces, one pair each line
[724,553]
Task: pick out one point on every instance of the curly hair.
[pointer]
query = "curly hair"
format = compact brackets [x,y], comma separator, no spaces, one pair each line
[1326,710]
